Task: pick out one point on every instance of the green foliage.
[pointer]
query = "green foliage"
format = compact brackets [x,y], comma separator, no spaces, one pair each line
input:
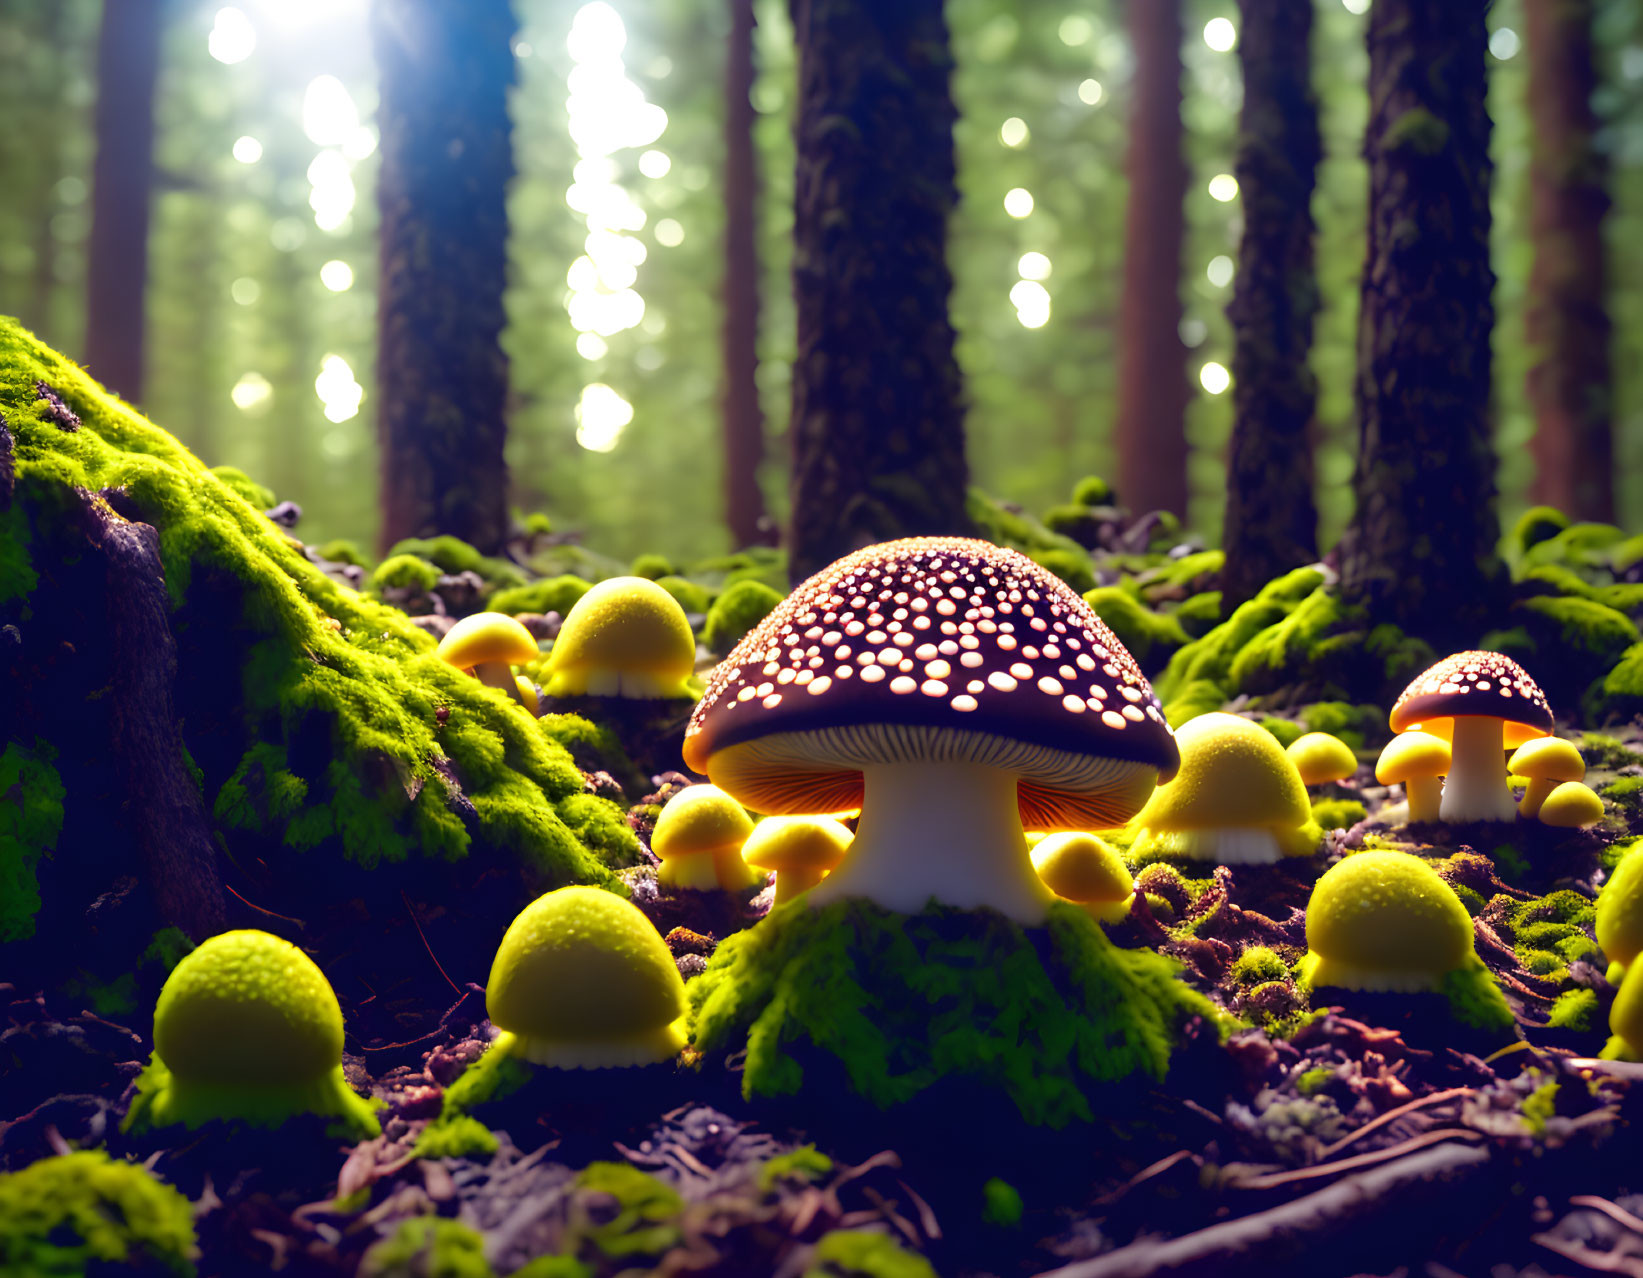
[1314,1080]
[1338,814]
[453,555]
[85,1213]
[1539,1106]
[1200,613]
[1000,1203]
[342,551]
[1475,1000]
[1574,1010]
[1256,965]
[551,594]
[404,572]
[1286,645]
[646,1219]
[1618,694]
[428,1247]
[1073,567]
[31,818]
[244,487]
[735,612]
[900,1002]
[806,1163]
[852,1253]
[1533,526]
[459,1136]
[1152,637]
[1583,632]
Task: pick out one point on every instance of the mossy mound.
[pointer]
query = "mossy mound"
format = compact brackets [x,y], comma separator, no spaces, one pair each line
[317,722]
[1152,637]
[902,1002]
[85,1213]
[552,594]
[736,611]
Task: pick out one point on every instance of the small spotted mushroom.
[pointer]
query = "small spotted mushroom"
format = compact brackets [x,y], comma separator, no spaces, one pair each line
[953,691]
[1484,703]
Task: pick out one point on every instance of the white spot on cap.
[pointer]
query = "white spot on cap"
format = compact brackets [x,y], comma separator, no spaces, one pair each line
[1072,705]
[872,674]
[1021,670]
[1049,686]
[1006,642]
[902,684]
[937,669]
[772,701]
[933,688]
[1001,681]
[975,685]
[971,660]
[963,702]
[1112,718]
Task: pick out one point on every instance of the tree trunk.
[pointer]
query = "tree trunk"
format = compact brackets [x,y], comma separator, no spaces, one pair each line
[447,158]
[1152,366]
[878,417]
[1568,324]
[1271,520]
[128,64]
[743,420]
[1420,549]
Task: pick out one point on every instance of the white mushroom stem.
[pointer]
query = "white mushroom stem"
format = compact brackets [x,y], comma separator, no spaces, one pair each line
[1476,788]
[499,675]
[948,832]
[1425,797]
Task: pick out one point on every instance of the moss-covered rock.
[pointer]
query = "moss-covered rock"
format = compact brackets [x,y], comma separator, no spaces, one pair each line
[31,818]
[1152,637]
[452,555]
[1577,640]
[652,567]
[1072,566]
[736,611]
[691,596]
[1200,613]
[1533,526]
[243,486]
[86,1213]
[551,594]
[892,1004]
[404,572]
[318,720]
[1093,490]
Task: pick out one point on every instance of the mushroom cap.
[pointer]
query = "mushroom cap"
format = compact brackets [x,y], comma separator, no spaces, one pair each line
[1079,867]
[1321,757]
[1572,806]
[700,818]
[1619,923]
[1233,773]
[782,843]
[246,1009]
[583,964]
[1486,684]
[933,648]
[1410,755]
[1385,920]
[1547,759]
[1626,1015]
[629,624]
[485,637]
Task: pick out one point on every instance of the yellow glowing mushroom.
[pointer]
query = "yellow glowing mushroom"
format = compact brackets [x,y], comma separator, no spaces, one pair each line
[800,849]
[1619,921]
[1087,871]
[1320,758]
[1572,806]
[627,637]
[489,645]
[1544,763]
[699,837]
[1420,761]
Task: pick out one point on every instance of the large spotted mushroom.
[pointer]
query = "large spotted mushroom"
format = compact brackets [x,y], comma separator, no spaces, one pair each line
[1484,704]
[954,692]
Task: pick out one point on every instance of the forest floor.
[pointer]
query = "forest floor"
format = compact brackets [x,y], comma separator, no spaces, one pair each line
[1350,1138]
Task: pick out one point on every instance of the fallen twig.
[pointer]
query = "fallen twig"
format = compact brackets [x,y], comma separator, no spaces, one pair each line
[1420,1102]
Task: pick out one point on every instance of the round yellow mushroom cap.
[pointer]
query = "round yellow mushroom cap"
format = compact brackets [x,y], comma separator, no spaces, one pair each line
[1079,867]
[1572,806]
[1620,910]
[1384,921]
[1626,1016]
[247,1027]
[1411,755]
[627,637]
[582,979]
[487,637]
[700,818]
[1547,759]
[813,844]
[1233,772]
[1321,757]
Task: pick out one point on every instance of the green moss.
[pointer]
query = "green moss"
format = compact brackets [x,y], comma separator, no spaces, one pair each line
[1284,731]
[1338,814]
[1200,613]
[453,555]
[1151,637]
[1416,129]
[1072,566]
[1013,528]
[537,524]
[553,594]
[1582,546]
[804,1164]
[31,818]
[652,567]
[1080,523]
[852,1253]
[554,1267]
[244,487]
[1351,723]
[459,1136]
[344,728]
[645,1222]
[428,1247]
[1618,694]
[1533,526]
[1200,696]
[1580,630]
[1256,965]
[1000,1203]
[17,576]
[343,551]
[1574,1010]
[736,611]
[1470,898]
[1539,1106]
[901,1002]
[404,572]
[86,1213]
[1314,1080]
[1286,645]
[690,596]
[1210,658]
[1092,490]
[1475,1000]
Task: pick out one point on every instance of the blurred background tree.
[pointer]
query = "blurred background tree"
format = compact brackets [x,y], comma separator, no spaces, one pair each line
[262,277]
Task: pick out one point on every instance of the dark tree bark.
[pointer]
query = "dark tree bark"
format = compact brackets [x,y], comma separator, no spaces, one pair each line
[163,802]
[1152,363]
[878,416]
[1271,519]
[122,178]
[1568,323]
[1420,548]
[743,419]
[447,158]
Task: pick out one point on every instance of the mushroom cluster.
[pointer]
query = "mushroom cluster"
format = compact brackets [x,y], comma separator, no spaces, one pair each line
[953,691]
